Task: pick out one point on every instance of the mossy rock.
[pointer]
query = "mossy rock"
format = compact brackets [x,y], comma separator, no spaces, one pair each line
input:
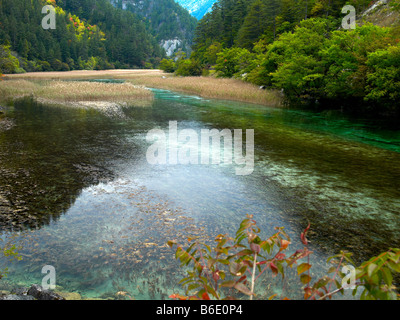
[69,295]
[4,292]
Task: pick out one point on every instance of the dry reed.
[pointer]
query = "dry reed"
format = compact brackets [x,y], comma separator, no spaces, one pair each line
[207,87]
[75,91]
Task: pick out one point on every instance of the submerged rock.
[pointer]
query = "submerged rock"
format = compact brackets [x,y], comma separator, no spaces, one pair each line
[70,295]
[6,123]
[35,292]
[17,297]
[42,294]
[20,291]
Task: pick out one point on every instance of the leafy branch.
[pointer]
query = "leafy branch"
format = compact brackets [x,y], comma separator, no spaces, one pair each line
[231,269]
[9,251]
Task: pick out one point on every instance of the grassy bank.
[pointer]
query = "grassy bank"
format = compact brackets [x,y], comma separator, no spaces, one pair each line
[74,93]
[207,87]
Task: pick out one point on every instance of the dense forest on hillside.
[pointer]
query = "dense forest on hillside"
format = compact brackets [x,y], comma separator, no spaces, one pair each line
[166,19]
[299,47]
[243,22]
[89,34]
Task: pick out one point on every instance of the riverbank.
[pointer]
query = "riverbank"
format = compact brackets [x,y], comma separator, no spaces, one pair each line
[84,94]
[206,87]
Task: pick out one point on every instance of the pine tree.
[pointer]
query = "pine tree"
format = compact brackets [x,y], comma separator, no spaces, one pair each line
[253,26]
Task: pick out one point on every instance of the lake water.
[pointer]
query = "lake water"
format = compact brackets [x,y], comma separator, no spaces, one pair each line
[78,193]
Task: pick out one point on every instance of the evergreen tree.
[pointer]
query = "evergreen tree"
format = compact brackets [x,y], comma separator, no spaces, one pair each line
[84,29]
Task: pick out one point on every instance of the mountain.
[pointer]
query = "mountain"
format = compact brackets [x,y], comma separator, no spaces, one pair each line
[197,8]
[89,34]
[170,23]
[307,50]
[381,13]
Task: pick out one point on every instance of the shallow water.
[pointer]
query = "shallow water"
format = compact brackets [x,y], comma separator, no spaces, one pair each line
[77,191]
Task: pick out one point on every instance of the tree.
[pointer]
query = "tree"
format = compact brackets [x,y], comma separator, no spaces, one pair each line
[299,67]
[253,26]
[167,65]
[83,30]
[234,62]
[383,79]
[211,54]
[346,57]
[189,67]
[8,63]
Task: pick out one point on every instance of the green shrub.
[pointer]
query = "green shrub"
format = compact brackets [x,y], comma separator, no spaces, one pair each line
[188,67]
[167,65]
[234,62]
[384,77]
[9,251]
[8,63]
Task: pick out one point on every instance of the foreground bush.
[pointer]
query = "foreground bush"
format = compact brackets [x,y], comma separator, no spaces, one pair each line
[237,263]
[10,251]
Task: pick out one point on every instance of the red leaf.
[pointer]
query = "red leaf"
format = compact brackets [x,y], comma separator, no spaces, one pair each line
[299,254]
[274,268]
[284,244]
[307,292]
[205,296]
[242,278]
[280,256]
[303,235]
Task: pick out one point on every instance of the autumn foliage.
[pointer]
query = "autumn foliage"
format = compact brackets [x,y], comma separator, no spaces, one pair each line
[231,269]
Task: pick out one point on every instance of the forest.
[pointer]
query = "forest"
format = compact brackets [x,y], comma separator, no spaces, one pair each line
[89,35]
[299,47]
[165,19]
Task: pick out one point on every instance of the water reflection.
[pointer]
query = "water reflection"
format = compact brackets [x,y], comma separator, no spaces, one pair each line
[48,156]
[341,176]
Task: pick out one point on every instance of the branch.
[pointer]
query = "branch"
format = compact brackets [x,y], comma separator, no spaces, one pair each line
[335,291]
[336,272]
[253,275]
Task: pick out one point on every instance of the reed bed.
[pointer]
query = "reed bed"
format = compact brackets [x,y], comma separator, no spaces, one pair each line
[207,87]
[73,91]
[67,92]
[210,87]
[14,89]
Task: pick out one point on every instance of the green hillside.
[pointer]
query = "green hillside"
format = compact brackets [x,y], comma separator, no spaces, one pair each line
[89,34]
[166,19]
[301,48]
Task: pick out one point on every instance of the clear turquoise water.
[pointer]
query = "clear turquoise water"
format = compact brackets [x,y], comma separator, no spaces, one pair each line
[86,201]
